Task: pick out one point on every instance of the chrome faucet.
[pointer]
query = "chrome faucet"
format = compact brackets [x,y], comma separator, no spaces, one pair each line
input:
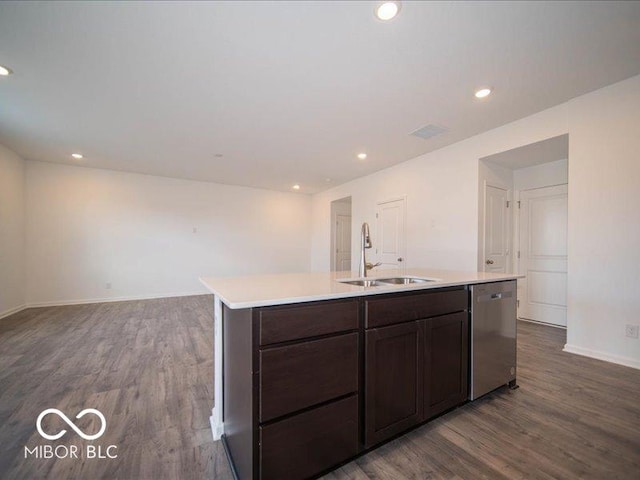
[365,242]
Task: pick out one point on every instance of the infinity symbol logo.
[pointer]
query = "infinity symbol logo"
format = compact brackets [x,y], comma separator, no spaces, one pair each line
[71,424]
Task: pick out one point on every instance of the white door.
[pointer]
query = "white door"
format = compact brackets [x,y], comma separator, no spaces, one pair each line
[390,238]
[497,229]
[342,243]
[543,255]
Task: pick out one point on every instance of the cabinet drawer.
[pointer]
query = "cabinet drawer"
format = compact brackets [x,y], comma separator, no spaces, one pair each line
[304,445]
[295,322]
[403,308]
[305,374]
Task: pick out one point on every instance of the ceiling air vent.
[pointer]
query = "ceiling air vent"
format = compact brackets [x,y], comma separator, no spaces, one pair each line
[429,131]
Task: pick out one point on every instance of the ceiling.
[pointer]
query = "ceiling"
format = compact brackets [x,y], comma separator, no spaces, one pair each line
[290,92]
[544,151]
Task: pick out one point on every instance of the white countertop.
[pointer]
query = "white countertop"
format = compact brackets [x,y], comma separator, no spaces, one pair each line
[285,288]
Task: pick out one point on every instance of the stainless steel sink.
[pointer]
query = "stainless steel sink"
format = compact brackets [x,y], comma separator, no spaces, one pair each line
[362,283]
[380,282]
[404,280]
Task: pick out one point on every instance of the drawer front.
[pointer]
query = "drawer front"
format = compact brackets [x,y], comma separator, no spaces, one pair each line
[403,308]
[282,324]
[297,376]
[304,445]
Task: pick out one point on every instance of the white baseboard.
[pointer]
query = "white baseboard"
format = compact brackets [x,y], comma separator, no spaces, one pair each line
[217,429]
[607,357]
[561,327]
[11,311]
[60,303]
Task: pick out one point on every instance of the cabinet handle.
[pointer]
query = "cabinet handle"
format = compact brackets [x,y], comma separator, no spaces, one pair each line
[400,259]
[489,262]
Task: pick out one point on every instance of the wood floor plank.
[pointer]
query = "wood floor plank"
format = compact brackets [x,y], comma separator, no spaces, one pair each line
[572,417]
[148,366]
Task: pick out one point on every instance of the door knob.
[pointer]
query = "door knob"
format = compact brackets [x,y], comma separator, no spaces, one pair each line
[400,259]
[489,262]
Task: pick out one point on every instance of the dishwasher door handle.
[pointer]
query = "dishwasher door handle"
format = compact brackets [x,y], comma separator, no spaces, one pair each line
[494,296]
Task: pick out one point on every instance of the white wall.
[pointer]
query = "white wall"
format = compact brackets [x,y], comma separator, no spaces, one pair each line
[442,189]
[544,175]
[442,196]
[12,219]
[87,227]
[604,222]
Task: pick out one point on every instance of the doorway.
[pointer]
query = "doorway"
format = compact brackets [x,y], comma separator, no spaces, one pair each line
[536,175]
[497,229]
[390,233]
[543,254]
[341,235]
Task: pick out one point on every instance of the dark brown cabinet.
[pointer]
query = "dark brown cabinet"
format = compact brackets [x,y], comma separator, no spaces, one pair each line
[292,381]
[394,375]
[446,357]
[311,385]
[295,322]
[294,377]
[416,366]
[390,309]
[304,445]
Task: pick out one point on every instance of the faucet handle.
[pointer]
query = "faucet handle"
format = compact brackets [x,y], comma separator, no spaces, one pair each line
[370,265]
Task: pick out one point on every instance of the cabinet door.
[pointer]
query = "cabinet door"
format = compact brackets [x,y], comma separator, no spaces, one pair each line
[394,380]
[446,369]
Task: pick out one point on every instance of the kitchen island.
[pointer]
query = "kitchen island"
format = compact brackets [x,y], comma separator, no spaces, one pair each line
[313,371]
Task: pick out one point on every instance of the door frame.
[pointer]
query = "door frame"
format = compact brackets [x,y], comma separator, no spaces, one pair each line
[510,266]
[332,229]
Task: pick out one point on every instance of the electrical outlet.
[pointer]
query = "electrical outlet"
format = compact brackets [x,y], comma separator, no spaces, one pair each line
[631,331]
[107,285]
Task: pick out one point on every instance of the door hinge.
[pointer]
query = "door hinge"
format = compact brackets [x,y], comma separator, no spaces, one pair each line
[518,203]
[508,202]
[518,253]
[517,303]
[376,215]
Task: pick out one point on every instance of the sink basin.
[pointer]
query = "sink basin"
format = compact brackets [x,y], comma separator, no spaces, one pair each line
[362,283]
[404,280]
[380,282]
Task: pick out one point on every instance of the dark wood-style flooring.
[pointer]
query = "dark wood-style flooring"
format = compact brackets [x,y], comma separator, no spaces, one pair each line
[148,367]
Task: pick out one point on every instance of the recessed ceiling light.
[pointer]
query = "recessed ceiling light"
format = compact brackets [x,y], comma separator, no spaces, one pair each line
[5,71]
[362,156]
[77,156]
[387,10]
[483,92]
[296,187]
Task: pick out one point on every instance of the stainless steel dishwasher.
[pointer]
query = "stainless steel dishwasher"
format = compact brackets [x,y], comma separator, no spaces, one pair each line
[493,336]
